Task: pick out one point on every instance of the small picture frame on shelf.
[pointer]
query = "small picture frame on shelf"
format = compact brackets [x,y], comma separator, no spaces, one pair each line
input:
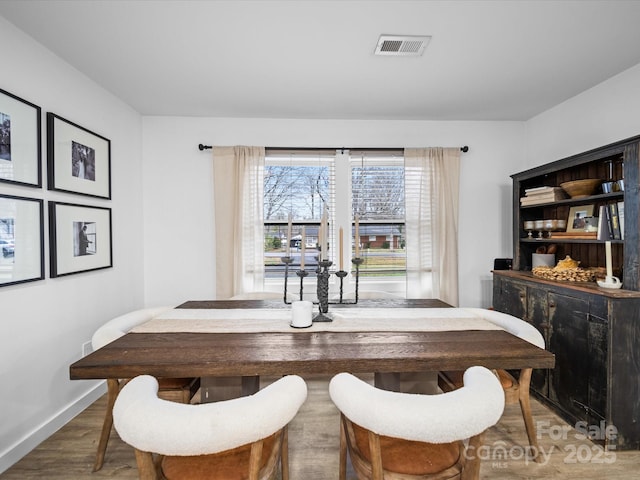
[78,160]
[21,240]
[79,238]
[20,144]
[577,221]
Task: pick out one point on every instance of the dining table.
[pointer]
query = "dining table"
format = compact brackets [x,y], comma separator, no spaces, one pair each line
[253,338]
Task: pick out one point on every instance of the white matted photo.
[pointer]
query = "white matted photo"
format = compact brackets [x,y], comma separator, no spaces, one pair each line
[79,237]
[577,221]
[20,144]
[21,240]
[79,160]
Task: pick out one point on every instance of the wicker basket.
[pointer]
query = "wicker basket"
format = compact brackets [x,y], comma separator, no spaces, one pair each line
[565,275]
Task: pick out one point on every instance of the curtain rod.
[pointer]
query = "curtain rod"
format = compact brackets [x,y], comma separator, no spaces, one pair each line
[208,147]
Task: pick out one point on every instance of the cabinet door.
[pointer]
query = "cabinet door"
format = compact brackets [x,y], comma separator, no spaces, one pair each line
[569,341]
[538,316]
[598,349]
[510,297]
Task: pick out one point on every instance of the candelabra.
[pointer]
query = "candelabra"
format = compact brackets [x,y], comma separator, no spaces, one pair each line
[322,285]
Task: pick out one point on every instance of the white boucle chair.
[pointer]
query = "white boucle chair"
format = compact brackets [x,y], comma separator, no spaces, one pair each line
[175,389]
[515,390]
[402,436]
[241,438]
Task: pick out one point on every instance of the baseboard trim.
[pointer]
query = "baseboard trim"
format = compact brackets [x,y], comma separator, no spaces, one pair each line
[17,451]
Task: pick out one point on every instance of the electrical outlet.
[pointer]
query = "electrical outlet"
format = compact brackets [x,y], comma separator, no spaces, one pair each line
[86,348]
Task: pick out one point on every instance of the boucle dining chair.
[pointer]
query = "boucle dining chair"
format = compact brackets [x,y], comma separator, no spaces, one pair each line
[400,436]
[515,389]
[242,438]
[174,389]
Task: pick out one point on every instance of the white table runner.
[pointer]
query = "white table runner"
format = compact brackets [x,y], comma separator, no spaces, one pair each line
[184,320]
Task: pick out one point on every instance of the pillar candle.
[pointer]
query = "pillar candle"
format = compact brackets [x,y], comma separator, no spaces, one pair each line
[325,233]
[357,239]
[302,249]
[289,238]
[341,231]
[320,242]
[607,250]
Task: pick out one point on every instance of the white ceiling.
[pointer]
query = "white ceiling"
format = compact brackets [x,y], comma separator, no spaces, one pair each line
[487,60]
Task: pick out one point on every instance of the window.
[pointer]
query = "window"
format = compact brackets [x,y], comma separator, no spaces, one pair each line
[369,184]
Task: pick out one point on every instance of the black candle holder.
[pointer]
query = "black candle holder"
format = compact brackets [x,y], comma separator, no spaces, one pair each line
[322,286]
[322,290]
[286,260]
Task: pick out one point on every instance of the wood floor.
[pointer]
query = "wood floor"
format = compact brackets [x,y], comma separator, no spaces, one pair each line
[313,440]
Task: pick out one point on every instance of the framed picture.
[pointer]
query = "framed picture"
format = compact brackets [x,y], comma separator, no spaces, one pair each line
[21,240]
[79,238]
[78,160]
[20,144]
[576,221]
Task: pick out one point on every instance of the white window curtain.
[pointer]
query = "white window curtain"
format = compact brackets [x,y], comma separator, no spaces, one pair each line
[432,191]
[238,205]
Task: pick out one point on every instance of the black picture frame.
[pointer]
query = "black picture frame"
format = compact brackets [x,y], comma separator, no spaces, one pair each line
[78,160]
[21,240]
[80,238]
[20,141]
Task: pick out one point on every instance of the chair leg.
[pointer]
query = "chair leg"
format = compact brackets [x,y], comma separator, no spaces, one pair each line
[376,456]
[525,406]
[471,466]
[284,453]
[254,460]
[146,465]
[113,388]
[343,450]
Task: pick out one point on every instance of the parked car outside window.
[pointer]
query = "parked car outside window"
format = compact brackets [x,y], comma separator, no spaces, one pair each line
[7,248]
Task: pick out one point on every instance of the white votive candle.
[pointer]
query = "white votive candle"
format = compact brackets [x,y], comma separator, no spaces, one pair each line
[301,313]
[607,251]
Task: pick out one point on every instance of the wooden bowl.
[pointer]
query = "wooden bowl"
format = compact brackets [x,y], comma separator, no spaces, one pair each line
[581,188]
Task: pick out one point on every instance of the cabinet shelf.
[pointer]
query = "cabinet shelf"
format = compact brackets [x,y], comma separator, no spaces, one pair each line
[566,240]
[620,160]
[578,201]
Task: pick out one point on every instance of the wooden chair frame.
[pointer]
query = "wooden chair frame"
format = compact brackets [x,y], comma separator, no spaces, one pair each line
[466,468]
[150,465]
[114,385]
[517,392]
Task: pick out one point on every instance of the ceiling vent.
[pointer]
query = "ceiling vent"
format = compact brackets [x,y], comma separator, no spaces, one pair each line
[402,45]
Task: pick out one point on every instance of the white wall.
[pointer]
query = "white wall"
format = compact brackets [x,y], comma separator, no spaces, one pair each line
[179,255]
[43,324]
[601,115]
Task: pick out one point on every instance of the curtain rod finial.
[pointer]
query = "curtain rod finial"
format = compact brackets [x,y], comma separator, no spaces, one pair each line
[464,149]
[203,147]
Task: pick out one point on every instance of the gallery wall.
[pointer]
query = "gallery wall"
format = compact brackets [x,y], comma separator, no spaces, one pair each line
[43,324]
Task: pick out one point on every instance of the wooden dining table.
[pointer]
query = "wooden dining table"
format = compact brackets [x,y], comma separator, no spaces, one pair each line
[189,354]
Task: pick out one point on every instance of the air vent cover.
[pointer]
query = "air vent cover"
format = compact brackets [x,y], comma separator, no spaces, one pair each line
[402,45]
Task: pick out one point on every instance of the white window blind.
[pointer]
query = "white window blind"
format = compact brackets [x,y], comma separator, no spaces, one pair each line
[368,183]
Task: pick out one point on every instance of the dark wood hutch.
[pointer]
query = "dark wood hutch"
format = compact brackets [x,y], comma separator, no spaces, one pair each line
[594,332]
